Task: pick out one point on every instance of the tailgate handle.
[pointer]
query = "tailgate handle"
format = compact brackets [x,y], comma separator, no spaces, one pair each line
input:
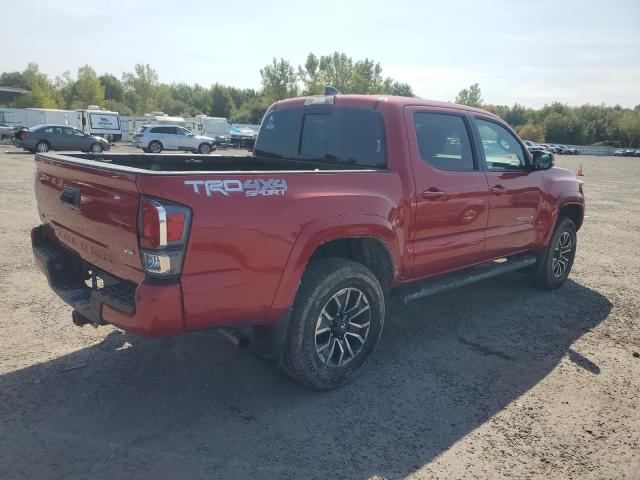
[71,195]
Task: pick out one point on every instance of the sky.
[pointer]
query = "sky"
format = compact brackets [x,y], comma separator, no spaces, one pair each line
[529,52]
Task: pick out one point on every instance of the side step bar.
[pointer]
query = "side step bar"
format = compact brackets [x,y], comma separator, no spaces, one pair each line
[447,281]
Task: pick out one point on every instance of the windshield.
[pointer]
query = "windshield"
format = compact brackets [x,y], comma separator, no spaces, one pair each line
[329,135]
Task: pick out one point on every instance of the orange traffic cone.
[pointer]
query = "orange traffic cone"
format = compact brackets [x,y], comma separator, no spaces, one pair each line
[580,172]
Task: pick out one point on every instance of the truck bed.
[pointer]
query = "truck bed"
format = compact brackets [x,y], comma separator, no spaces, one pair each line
[171,163]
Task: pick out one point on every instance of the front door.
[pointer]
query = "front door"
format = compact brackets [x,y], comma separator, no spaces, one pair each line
[452,197]
[516,192]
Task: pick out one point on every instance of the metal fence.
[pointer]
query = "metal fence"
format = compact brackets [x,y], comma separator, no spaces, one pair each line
[601,151]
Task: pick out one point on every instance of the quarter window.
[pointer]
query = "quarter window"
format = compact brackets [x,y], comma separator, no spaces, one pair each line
[443,141]
[501,149]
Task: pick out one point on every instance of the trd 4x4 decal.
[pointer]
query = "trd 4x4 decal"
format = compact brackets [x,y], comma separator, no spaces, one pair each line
[250,188]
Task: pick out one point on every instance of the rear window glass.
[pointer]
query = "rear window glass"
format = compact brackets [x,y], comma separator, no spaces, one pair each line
[335,135]
[443,141]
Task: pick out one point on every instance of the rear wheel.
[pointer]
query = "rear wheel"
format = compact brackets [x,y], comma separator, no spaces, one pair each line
[335,324]
[42,147]
[558,257]
[204,149]
[95,148]
[155,147]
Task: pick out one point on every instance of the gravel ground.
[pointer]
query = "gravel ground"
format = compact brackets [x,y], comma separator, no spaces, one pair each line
[496,380]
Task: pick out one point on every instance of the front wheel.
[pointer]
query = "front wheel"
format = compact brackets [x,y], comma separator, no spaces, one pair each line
[558,257]
[335,324]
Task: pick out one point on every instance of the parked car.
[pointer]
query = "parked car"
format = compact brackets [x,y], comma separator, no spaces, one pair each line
[243,137]
[346,200]
[156,138]
[6,131]
[570,150]
[43,138]
[532,146]
[619,152]
[637,154]
[629,152]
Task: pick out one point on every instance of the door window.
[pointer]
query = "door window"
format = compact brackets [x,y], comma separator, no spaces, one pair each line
[501,149]
[443,141]
[184,131]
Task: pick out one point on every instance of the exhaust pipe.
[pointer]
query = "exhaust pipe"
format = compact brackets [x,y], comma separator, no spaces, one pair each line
[234,336]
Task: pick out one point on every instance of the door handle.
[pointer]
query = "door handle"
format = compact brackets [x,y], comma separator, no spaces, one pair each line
[498,190]
[433,194]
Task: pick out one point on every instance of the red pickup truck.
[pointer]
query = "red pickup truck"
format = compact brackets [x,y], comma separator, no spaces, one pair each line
[345,200]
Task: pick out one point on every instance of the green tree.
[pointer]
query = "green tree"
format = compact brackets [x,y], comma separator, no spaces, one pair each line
[87,89]
[471,96]
[279,80]
[252,110]
[221,102]
[141,89]
[310,76]
[630,128]
[42,93]
[14,80]
[531,132]
[113,88]
[400,89]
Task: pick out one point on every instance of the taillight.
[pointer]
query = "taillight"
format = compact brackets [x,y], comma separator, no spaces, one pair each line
[163,229]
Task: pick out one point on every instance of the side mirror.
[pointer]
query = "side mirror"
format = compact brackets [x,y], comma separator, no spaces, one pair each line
[542,160]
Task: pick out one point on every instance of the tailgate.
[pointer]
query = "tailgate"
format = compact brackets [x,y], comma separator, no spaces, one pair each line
[93,212]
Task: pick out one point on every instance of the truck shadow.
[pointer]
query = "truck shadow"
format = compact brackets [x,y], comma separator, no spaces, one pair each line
[194,407]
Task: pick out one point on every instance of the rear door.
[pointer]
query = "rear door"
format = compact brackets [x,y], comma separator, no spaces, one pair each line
[516,192]
[452,197]
[185,139]
[53,135]
[92,212]
[170,138]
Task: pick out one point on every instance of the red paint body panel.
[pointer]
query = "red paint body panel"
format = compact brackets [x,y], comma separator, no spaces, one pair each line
[245,256]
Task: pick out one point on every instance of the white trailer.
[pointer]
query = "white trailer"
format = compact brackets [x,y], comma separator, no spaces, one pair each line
[209,126]
[41,116]
[102,123]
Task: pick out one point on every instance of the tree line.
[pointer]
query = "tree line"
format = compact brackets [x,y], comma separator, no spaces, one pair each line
[559,123]
[140,91]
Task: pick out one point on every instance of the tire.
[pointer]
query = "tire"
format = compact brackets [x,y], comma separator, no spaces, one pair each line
[95,148]
[554,271]
[204,149]
[145,150]
[324,354]
[155,147]
[42,147]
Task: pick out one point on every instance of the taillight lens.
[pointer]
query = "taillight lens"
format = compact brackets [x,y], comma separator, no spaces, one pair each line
[163,229]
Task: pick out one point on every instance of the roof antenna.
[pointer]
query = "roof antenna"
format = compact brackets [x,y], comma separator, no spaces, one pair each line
[332,91]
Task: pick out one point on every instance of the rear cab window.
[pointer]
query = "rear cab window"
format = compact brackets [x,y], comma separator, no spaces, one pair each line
[337,135]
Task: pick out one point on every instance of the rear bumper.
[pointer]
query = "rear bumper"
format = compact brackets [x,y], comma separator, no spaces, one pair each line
[146,309]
